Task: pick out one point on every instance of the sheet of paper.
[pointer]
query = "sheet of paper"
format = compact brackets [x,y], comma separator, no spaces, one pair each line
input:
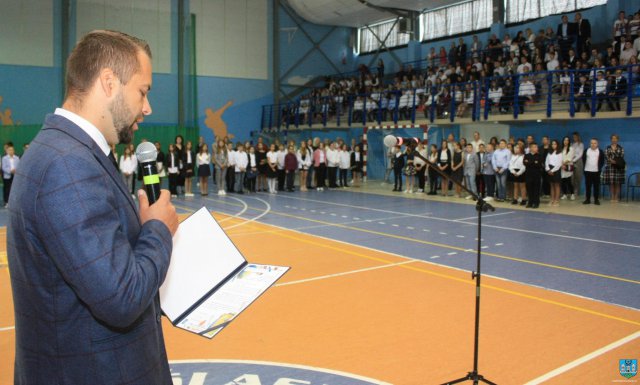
[229,300]
[203,257]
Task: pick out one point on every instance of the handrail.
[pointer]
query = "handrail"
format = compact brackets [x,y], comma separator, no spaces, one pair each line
[389,103]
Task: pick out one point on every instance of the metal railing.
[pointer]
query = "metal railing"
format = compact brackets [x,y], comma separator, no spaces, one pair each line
[554,92]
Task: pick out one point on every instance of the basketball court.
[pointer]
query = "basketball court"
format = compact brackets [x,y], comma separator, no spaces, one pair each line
[380,292]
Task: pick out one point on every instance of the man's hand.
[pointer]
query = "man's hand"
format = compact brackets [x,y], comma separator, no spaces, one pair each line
[161,210]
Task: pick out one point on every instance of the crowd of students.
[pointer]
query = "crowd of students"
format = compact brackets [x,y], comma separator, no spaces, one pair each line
[507,72]
[515,170]
[245,167]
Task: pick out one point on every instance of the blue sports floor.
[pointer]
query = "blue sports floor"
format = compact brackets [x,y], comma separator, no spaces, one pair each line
[587,257]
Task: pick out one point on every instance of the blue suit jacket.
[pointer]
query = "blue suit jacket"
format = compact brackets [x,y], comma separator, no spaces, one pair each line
[85,274]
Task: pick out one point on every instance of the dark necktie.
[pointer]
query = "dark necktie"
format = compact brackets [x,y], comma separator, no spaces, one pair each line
[113,159]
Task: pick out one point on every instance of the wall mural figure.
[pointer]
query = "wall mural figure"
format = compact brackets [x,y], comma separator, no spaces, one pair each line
[5,116]
[214,121]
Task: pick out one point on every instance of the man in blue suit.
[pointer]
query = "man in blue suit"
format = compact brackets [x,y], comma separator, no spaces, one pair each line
[85,263]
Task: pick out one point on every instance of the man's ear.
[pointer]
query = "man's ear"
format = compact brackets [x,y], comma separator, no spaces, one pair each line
[108,81]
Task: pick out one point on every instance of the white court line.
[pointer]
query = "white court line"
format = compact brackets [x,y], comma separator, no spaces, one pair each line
[7,328]
[318,226]
[484,216]
[245,207]
[265,212]
[344,273]
[583,359]
[458,221]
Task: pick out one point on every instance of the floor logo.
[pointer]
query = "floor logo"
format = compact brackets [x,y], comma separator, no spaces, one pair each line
[628,368]
[226,372]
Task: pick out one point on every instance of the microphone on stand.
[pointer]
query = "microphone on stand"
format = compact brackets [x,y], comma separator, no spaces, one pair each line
[392,141]
[147,154]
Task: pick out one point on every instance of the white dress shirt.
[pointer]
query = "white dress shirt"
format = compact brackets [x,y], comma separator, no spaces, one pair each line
[87,127]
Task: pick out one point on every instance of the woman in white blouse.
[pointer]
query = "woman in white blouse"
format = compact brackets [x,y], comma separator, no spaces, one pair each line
[128,166]
[552,166]
[272,170]
[567,169]
[203,160]
[517,169]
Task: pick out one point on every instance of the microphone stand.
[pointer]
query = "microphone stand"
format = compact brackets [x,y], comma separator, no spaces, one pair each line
[481,207]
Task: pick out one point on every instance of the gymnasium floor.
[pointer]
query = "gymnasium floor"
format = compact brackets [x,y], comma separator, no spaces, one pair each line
[380,291]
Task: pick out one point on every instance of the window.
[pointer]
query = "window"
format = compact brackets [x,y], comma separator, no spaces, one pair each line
[521,10]
[372,37]
[456,19]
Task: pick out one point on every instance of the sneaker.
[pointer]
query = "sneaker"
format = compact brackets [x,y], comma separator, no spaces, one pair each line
[223,192]
[488,199]
[564,196]
[172,196]
[189,195]
[573,197]
[468,197]
[405,191]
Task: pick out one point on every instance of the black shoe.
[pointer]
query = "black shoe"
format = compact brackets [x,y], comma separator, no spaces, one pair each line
[240,192]
[597,202]
[395,189]
[514,202]
[586,202]
[523,203]
[535,206]
[529,206]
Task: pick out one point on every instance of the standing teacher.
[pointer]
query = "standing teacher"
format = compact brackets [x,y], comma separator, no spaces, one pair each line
[85,262]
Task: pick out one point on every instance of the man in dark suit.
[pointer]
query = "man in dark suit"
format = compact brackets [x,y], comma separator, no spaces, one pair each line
[566,35]
[583,29]
[617,89]
[582,92]
[86,263]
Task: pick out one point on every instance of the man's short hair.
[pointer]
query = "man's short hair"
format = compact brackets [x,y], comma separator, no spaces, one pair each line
[102,49]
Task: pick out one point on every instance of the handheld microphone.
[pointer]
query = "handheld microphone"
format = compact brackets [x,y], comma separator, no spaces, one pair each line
[392,141]
[147,154]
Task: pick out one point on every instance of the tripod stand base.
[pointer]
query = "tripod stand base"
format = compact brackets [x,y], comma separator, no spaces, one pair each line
[471,376]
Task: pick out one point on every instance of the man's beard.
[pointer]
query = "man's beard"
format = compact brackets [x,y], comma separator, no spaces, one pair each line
[122,121]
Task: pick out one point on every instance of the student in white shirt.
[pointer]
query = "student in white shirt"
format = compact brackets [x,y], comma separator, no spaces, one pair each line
[567,169]
[578,165]
[526,92]
[231,175]
[345,165]
[128,166]
[203,160]
[9,164]
[517,169]
[333,161]
[305,159]
[241,160]
[272,170]
[593,159]
[552,166]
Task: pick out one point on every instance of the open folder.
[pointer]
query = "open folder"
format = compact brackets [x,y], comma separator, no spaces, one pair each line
[209,282]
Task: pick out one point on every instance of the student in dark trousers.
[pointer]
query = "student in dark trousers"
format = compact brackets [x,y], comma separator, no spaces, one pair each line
[174,164]
[398,165]
[544,151]
[534,164]
[593,159]
[9,164]
[290,167]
